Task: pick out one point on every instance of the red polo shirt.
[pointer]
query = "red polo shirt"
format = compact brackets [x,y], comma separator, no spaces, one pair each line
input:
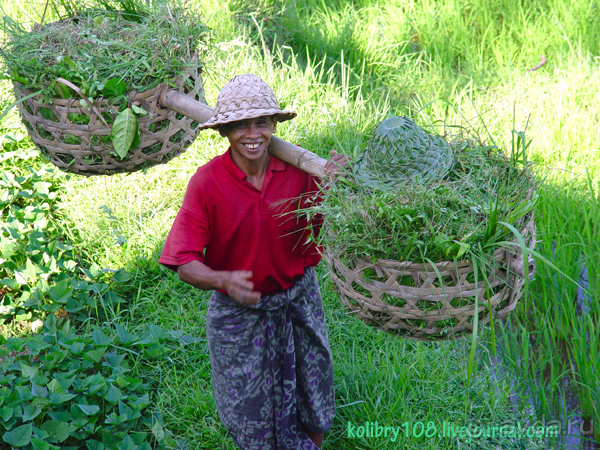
[228,224]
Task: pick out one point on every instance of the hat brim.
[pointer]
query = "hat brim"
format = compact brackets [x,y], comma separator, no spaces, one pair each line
[235,116]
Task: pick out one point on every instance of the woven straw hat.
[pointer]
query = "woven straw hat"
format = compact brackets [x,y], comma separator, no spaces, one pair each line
[246,97]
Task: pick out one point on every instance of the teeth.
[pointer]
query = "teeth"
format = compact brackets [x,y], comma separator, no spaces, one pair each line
[252,146]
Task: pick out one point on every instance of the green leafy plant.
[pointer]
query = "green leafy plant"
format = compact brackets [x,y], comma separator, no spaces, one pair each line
[60,388]
[40,271]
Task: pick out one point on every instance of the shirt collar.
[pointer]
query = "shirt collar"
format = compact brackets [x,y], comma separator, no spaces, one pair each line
[275,165]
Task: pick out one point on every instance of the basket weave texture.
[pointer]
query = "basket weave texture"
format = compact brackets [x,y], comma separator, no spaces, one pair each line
[431,310]
[85,149]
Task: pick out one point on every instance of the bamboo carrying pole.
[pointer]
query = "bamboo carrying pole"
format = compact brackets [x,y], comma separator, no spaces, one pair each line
[286,151]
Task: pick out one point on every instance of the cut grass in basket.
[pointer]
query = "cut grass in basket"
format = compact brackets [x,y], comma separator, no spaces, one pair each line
[430,256]
[95,77]
[442,220]
[96,42]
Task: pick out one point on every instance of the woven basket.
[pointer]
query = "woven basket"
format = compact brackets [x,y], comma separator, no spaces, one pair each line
[428,309]
[85,149]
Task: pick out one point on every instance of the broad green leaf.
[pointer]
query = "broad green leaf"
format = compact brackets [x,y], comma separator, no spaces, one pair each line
[101,339]
[39,433]
[61,292]
[133,383]
[125,410]
[9,282]
[66,379]
[139,437]
[57,431]
[158,332]
[187,339]
[76,347]
[95,355]
[39,444]
[39,391]
[15,344]
[113,395]
[154,350]
[115,359]
[40,379]
[18,437]
[60,415]
[69,264]
[124,336]
[30,412]
[114,87]
[97,383]
[121,276]
[73,305]
[55,387]
[114,419]
[24,393]
[57,399]
[6,412]
[35,345]
[80,385]
[143,401]
[158,431]
[28,315]
[21,278]
[139,110]
[94,445]
[124,131]
[93,272]
[127,444]
[31,270]
[90,410]
[28,371]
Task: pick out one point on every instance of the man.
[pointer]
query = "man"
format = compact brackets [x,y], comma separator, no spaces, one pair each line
[237,234]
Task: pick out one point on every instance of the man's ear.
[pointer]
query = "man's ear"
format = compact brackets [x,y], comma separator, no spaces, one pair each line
[222,131]
[274,124]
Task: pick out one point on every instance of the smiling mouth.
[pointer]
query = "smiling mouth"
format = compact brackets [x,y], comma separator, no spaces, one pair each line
[252,146]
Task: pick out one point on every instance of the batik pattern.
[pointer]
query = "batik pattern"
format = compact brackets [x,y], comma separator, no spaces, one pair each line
[271,367]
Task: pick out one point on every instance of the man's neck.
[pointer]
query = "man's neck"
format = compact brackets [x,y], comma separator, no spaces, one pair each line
[255,170]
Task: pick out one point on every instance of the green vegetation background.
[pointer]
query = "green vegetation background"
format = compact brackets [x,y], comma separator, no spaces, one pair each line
[344,66]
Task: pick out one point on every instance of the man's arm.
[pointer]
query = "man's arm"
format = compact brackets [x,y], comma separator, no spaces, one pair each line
[234,282]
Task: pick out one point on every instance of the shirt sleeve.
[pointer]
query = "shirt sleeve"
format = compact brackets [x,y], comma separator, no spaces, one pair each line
[189,234]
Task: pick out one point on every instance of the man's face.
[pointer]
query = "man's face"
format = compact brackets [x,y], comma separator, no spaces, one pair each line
[250,138]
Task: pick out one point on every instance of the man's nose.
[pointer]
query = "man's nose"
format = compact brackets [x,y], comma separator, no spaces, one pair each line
[252,130]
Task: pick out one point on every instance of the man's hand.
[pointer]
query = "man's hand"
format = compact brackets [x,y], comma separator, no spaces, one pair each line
[234,282]
[239,288]
[337,161]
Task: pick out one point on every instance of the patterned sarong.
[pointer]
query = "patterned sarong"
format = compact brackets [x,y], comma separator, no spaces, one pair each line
[271,367]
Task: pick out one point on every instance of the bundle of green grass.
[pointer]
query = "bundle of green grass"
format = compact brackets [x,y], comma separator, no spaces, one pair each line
[413,196]
[408,221]
[88,82]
